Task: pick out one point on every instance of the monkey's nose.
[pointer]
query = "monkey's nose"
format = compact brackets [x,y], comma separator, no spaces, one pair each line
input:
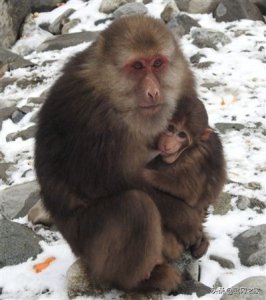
[153,94]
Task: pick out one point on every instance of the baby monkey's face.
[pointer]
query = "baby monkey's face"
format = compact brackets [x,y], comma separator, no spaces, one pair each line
[172,142]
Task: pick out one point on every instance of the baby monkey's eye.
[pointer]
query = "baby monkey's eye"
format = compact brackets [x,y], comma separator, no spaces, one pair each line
[171,129]
[181,134]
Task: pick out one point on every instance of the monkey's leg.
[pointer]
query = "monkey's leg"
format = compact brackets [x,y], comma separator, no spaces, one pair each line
[172,249]
[119,240]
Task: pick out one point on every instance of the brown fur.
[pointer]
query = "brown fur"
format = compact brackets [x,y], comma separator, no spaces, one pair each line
[92,144]
[196,177]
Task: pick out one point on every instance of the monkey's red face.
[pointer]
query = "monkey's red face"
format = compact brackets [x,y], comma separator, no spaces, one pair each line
[146,73]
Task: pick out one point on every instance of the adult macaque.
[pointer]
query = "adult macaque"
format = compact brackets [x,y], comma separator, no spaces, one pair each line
[191,166]
[93,141]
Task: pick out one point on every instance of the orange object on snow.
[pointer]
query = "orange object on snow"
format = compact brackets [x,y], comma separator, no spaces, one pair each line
[41,266]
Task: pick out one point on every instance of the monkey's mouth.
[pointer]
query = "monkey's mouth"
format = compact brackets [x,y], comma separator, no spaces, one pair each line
[152,109]
[169,158]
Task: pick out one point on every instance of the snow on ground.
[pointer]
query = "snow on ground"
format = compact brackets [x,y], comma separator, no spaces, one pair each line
[239,67]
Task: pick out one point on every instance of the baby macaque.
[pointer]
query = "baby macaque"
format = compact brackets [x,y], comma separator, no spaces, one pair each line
[191,169]
[190,166]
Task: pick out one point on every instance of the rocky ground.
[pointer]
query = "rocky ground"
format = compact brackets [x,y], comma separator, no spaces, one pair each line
[228,59]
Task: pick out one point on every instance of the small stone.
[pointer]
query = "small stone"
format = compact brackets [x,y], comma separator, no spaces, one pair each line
[170,11]
[130,9]
[190,286]
[242,202]
[24,134]
[194,59]
[223,127]
[203,65]
[253,186]
[182,24]
[69,25]
[223,262]
[17,116]
[109,6]
[3,171]
[36,100]
[56,26]
[223,204]
[6,112]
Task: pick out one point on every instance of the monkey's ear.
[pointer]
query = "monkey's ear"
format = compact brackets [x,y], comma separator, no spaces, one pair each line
[206,134]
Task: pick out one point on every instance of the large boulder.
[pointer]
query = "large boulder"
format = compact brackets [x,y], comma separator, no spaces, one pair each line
[12,15]
[228,11]
[197,6]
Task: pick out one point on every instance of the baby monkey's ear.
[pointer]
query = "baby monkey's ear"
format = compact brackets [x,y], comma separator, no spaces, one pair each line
[206,134]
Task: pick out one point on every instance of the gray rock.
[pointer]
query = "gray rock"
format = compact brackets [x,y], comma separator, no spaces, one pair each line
[13,60]
[44,6]
[57,24]
[228,11]
[211,84]
[223,204]
[3,68]
[14,199]
[3,171]
[252,288]
[6,112]
[261,4]
[253,185]
[223,262]
[69,25]
[252,246]
[170,11]
[67,40]
[206,38]
[24,134]
[182,25]
[17,116]
[242,202]
[189,265]
[130,9]
[203,65]
[109,6]
[194,59]
[197,6]
[36,100]
[30,201]
[17,243]
[223,127]
[189,287]
[146,1]
[257,205]
[12,15]
[6,81]
[26,109]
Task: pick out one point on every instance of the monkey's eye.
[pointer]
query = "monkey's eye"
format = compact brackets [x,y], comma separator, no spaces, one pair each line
[181,134]
[138,65]
[157,63]
[171,129]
